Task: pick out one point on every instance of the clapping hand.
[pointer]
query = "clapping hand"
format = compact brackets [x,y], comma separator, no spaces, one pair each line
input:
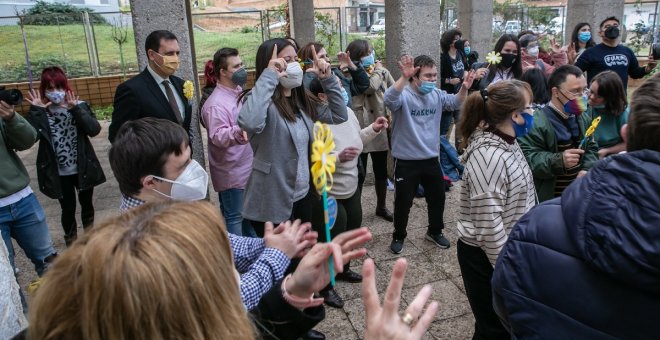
[291,238]
[384,322]
[277,64]
[320,67]
[34,98]
[407,66]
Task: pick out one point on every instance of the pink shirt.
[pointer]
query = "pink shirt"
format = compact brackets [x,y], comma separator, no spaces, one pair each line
[230,156]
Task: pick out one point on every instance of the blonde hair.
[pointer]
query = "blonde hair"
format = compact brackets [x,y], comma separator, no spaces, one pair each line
[162,270]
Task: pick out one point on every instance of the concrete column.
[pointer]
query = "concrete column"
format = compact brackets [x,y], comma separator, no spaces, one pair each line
[301,14]
[411,27]
[475,19]
[592,12]
[175,16]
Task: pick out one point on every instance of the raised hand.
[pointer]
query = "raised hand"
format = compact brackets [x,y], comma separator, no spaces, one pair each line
[380,123]
[384,322]
[277,64]
[290,238]
[313,272]
[556,48]
[70,99]
[352,242]
[34,98]
[407,66]
[469,79]
[7,111]
[571,53]
[345,60]
[320,67]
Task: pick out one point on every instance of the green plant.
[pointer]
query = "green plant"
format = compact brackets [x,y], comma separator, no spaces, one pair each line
[120,36]
[47,13]
[103,112]
[247,29]
[18,72]
[326,32]
[637,42]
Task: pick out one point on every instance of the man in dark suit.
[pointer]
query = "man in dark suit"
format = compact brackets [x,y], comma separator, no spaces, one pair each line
[155,92]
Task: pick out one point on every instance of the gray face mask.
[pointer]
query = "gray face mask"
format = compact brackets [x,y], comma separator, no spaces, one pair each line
[294,76]
[239,77]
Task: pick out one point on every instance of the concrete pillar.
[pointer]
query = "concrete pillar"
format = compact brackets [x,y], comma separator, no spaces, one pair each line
[301,14]
[475,19]
[592,12]
[411,27]
[175,16]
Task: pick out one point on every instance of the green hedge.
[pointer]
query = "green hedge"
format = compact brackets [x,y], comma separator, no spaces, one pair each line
[46,13]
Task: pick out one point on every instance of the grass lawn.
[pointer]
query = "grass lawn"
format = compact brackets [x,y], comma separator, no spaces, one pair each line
[65,46]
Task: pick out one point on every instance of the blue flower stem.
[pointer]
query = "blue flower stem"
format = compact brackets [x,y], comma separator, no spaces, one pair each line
[327,234]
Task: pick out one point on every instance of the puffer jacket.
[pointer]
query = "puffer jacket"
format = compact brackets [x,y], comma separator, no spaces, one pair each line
[586,265]
[90,173]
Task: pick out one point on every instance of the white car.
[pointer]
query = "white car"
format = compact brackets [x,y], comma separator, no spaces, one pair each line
[512,27]
[378,27]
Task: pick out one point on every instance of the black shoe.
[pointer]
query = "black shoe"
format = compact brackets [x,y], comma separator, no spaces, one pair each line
[349,276]
[439,239]
[396,246]
[331,298]
[385,214]
[314,335]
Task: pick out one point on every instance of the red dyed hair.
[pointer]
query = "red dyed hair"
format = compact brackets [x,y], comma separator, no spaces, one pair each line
[209,75]
[53,76]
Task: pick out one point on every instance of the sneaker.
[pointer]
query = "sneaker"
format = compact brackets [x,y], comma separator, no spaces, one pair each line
[439,239]
[396,246]
[390,185]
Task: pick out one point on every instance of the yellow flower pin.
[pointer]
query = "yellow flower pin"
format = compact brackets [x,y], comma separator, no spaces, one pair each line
[188,89]
[493,57]
[592,128]
[323,163]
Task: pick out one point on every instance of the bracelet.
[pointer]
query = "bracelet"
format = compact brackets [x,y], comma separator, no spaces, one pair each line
[298,302]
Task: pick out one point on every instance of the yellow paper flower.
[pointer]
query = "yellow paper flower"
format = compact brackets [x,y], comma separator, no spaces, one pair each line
[371,68]
[592,128]
[188,89]
[493,57]
[323,163]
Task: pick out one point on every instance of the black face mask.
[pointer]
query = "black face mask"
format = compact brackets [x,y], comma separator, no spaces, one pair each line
[508,60]
[612,32]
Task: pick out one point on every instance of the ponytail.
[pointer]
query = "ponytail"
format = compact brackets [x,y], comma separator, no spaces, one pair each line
[209,75]
[472,114]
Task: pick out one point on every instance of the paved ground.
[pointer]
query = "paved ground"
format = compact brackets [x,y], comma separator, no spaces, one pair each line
[427,263]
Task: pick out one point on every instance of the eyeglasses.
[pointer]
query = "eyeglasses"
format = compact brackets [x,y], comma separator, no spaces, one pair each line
[588,93]
[584,92]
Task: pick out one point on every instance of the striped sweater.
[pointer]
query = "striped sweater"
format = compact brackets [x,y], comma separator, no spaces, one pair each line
[497,190]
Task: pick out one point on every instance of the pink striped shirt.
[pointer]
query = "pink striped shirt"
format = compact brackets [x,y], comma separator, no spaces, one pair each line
[230,156]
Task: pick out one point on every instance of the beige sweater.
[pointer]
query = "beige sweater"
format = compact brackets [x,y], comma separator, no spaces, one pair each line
[345,178]
[369,106]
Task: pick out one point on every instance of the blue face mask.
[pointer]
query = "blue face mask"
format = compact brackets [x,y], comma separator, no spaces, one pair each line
[522,130]
[584,36]
[368,60]
[467,50]
[426,87]
[344,95]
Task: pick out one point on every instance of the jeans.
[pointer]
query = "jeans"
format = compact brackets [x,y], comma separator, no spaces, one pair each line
[451,166]
[231,203]
[408,175]
[25,222]
[448,118]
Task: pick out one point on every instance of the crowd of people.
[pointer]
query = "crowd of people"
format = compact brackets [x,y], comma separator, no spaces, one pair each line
[558,208]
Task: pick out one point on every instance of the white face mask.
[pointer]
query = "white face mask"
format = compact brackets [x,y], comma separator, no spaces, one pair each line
[294,76]
[56,97]
[533,51]
[191,185]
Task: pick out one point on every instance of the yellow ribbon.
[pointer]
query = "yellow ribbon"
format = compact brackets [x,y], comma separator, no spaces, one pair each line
[592,128]
[188,89]
[323,163]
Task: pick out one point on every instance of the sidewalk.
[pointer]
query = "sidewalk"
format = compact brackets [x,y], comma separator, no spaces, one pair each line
[428,264]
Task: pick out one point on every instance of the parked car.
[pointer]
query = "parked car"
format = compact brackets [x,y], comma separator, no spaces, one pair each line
[512,27]
[378,27]
[556,25]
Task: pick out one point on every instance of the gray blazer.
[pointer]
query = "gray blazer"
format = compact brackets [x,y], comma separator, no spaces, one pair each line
[270,188]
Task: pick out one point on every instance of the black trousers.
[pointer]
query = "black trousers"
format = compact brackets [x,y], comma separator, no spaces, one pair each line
[379,166]
[68,203]
[408,175]
[349,216]
[302,210]
[477,273]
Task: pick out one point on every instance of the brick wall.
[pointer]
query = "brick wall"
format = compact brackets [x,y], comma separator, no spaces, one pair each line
[96,91]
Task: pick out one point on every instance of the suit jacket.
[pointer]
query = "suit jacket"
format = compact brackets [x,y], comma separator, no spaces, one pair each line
[270,188]
[141,97]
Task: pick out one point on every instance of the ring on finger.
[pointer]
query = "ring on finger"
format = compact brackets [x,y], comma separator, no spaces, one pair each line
[408,319]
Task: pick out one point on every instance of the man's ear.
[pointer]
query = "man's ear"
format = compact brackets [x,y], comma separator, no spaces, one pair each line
[624,134]
[148,182]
